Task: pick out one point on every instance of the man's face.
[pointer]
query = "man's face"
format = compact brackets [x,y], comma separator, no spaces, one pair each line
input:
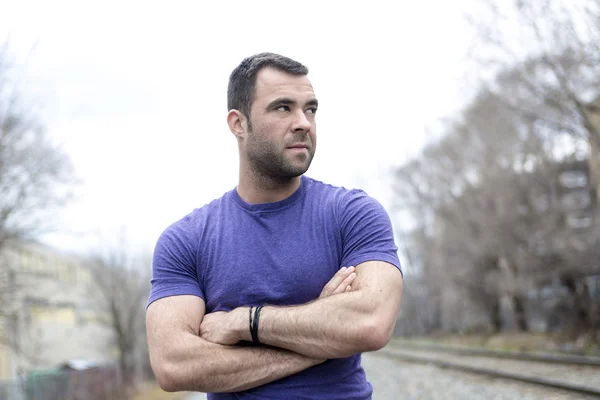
[281,140]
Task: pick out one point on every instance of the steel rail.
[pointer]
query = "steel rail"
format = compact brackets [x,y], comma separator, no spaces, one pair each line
[524,356]
[552,383]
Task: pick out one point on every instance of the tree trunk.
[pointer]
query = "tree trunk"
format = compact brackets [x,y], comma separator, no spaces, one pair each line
[124,371]
[581,315]
[496,315]
[520,314]
[436,321]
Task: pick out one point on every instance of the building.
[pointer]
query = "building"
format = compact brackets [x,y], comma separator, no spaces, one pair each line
[54,318]
[577,200]
[569,283]
[593,115]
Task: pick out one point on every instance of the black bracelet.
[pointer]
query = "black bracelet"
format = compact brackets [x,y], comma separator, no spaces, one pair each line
[254,325]
[250,321]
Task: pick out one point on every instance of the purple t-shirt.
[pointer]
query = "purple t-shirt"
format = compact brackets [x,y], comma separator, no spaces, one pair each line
[231,253]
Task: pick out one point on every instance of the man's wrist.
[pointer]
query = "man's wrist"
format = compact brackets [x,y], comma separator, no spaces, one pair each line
[241,325]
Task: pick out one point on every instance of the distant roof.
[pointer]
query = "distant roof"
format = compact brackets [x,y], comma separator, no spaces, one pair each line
[79,364]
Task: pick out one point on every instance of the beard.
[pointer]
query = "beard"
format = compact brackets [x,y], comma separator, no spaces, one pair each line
[268,161]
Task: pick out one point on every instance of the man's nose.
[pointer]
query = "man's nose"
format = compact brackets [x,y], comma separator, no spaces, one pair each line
[301,123]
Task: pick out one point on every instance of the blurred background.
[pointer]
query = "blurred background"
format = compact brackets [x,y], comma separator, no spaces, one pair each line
[475,123]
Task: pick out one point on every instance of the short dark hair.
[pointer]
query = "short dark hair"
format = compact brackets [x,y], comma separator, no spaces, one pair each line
[242,81]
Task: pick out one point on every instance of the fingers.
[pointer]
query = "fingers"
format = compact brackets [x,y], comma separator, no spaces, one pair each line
[345,286]
[339,283]
[342,287]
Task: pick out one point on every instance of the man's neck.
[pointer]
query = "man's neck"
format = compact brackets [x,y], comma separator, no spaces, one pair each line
[261,190]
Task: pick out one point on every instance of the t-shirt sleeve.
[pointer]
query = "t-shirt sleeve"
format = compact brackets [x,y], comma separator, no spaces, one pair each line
[174,263]
[366,229]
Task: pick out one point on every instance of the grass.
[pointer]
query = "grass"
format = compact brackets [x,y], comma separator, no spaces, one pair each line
[153,392]
[513,341]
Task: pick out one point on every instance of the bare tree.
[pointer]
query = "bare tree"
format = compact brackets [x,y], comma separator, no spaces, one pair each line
[120,288]
[478,194]
[36,177]
[542,58]
[9,311]
[485,195]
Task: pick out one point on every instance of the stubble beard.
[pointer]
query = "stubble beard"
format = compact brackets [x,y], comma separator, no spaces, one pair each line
[270,164]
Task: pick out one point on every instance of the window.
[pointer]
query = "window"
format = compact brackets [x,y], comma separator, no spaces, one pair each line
[582,242]
[540,247]
[593,283]
[65,314]
[70,274]
[573,179]
[577,200]
[25,261]
[553,292]
[542,203]
[579,221]
[66,273]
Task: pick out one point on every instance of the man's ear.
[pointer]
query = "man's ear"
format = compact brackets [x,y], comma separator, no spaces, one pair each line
[237,123]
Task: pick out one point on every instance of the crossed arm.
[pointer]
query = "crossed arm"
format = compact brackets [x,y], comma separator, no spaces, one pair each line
[338,324]
[181,360]
[357,321]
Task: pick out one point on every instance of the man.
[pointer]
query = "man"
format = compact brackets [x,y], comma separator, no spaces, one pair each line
[273,290]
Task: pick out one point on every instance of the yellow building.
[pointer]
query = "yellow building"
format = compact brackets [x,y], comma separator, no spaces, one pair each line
[594,118]
[55,318]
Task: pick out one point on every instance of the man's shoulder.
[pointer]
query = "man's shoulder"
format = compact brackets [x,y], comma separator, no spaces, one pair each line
[214,205]
[331,190]
[199,216]
[338,194]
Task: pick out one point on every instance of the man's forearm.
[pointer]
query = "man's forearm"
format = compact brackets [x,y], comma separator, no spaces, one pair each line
[198,365]
[337,326]
[333,327]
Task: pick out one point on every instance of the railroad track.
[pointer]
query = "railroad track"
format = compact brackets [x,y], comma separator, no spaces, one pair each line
[574,374]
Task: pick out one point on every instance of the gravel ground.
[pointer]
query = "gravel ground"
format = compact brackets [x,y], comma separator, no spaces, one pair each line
[393,380]
[195,396]
[574,374]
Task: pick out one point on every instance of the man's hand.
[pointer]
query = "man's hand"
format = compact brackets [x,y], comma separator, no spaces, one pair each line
[340,283]
[224,327]
[228,328]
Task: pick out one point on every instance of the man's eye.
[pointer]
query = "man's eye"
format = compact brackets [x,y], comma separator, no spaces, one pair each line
[311,110]
[283,108]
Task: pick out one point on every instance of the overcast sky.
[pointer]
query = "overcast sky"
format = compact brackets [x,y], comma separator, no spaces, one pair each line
[136,94]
